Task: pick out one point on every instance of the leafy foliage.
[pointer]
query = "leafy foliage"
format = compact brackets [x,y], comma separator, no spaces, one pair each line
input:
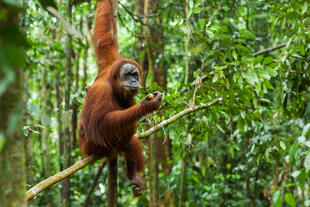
[252,149]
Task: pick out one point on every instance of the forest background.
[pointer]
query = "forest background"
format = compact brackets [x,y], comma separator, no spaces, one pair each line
[237,70]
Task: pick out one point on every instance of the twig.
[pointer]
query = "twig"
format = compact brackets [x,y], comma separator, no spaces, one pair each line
[66,25]
[136,17]
[94,184]
[59,176]
[269,50]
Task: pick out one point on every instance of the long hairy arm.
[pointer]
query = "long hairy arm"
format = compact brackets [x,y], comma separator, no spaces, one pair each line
[104,37]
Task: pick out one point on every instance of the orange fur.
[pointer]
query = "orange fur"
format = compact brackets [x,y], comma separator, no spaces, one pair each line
[108,120]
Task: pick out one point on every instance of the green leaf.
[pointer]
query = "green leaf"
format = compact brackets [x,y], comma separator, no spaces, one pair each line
[295,174]
[202,23]
[235,54]
[272,72]
[249,35]
[220,128]
[307,162]
[282,144]
[264,74]
[277,199]
[197,10]
[191,4]
[215,78]
[267,60]
[251,77]
[210,34]
[243,49]
[304,8]
[2,141]
[302,177]
[306,130]
[289,198]
[301,48]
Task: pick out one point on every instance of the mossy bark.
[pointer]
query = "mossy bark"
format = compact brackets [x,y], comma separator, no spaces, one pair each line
[12,163]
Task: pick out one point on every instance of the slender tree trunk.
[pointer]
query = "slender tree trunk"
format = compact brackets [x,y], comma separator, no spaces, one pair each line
[84,84]
[59,121]
[112,183]
[161,149]
[44,93]
[12,160]
[66,200]
[148,5]
[183,178]
[112,164]
[28,158]
[155,179]
[27,143]
[154,191]
[45,132]
[75,104]
[188,32]
[85,53]
[140,51]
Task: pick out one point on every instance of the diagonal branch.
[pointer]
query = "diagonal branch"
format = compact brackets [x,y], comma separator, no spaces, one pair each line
[176,117]
[59,176]
[66,25]
[269,50]
[90,159]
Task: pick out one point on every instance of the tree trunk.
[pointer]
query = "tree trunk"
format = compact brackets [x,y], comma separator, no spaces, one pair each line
[75,104]
[28,158]
[188,32]
[66,201]
[162,145]
[44,93]
[155,180]
[183,178]
[85,56]
[45,133]
[112,164]
[59,121]
[150,171]
[112,183]
[148,5]
[12,161]
[27,142]
[140,51]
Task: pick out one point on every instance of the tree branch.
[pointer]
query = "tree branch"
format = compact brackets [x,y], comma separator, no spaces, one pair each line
[90,159]
[66,25]
[176,117]
[35,190]
[269,50]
